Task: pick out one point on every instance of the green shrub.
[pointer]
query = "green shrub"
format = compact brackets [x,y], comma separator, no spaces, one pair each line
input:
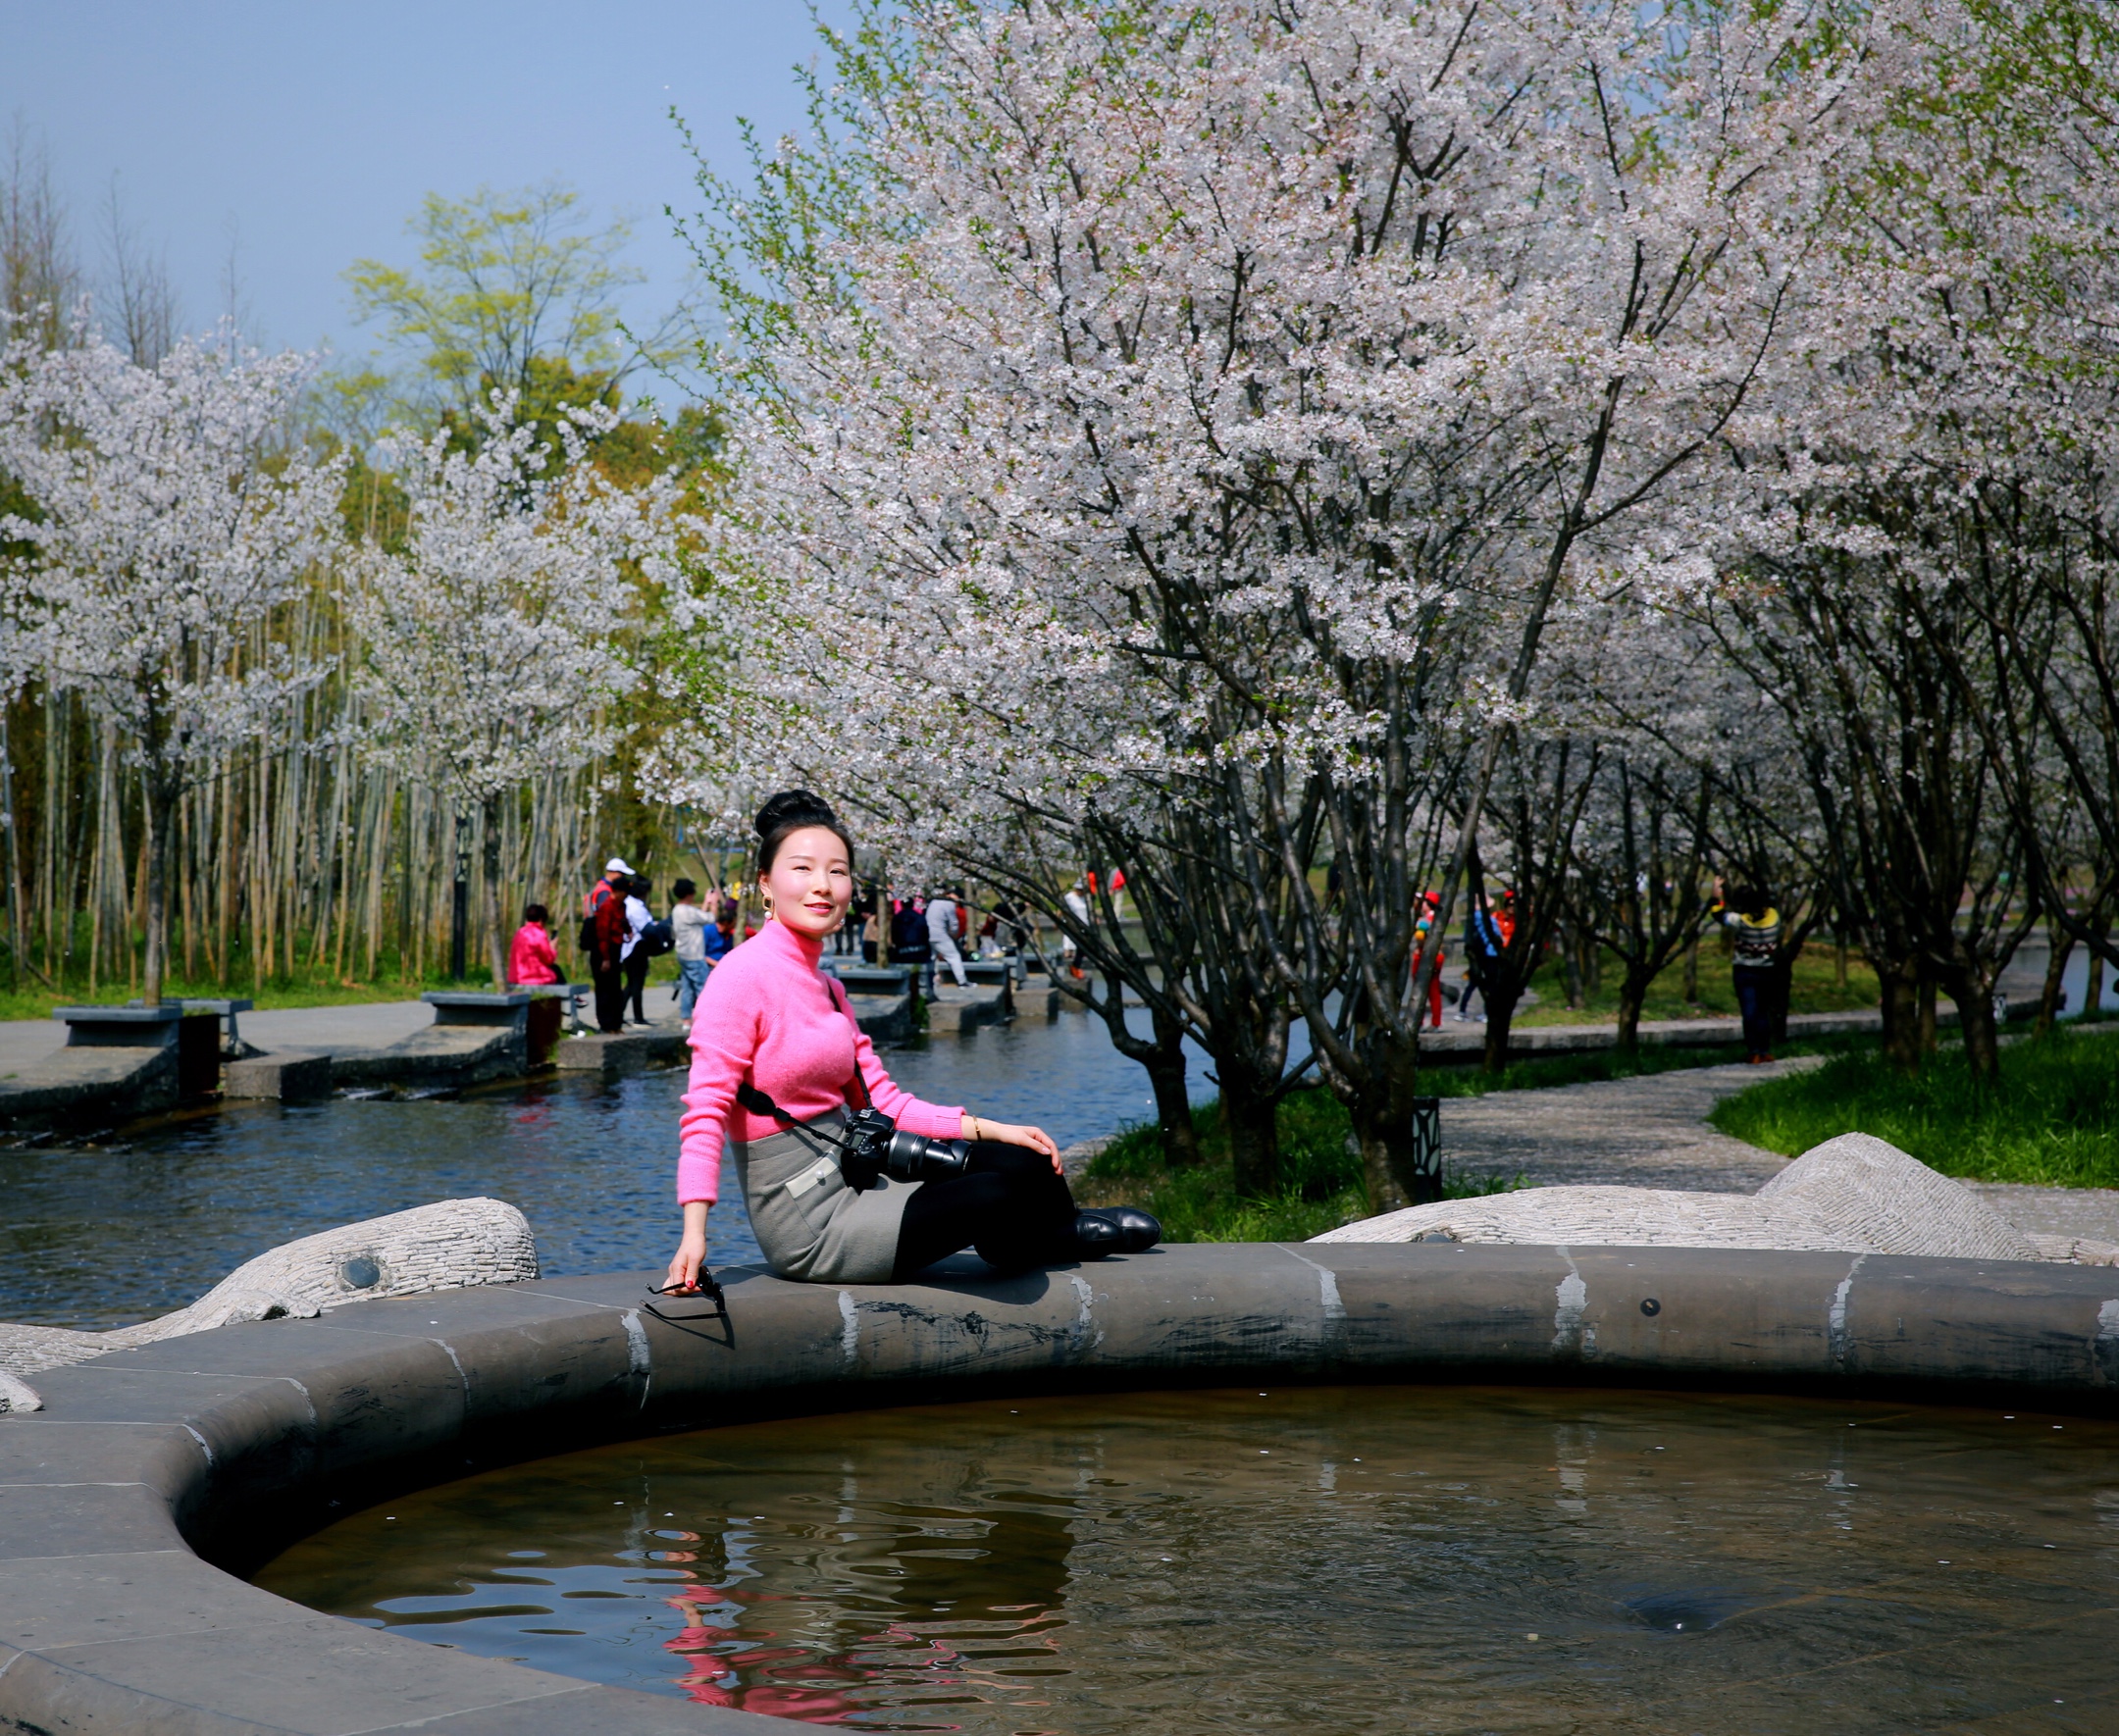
[2054,1117]
[1321,1178]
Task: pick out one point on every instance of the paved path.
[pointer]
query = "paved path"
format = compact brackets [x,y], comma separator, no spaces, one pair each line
[1652,1132]
[1649,1132]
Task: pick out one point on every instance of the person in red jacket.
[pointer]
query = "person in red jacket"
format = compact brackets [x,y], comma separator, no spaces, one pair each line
[605,934]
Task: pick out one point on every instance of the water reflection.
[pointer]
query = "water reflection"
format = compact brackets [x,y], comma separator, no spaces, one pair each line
[1371,1559]
[103,1237]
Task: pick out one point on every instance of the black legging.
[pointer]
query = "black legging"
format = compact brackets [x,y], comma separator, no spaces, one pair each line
[1008,1205]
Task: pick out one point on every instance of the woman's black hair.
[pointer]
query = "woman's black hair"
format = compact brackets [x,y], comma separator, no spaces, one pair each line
[682,889]
[536,913]
[789,812]
[1748,900]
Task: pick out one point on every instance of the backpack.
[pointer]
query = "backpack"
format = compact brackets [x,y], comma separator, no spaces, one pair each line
[593,901]
[656,939]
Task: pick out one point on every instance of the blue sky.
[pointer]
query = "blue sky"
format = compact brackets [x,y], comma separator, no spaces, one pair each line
[308,133]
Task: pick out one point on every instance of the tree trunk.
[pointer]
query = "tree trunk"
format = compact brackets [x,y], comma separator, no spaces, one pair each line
[1927,1015]
[1247,1112]
[1784,979]
[1691,976]
[1388,1175]
[1500,1016]
[1173,1111]
[459,897]
[1975,1019]
[1633,993]
[156,805]
[2059,943]
[1899,985]
[495,937]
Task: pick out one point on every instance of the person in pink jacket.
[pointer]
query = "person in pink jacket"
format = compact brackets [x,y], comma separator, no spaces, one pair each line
[530,959]
[778,1067]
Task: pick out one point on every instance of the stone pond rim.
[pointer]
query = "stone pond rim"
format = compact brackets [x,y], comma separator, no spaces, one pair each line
[231,1441]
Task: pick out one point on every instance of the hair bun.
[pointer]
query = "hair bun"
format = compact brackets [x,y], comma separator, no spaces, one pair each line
[792,808]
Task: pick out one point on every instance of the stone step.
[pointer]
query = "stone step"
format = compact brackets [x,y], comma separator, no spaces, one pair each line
[615,1056]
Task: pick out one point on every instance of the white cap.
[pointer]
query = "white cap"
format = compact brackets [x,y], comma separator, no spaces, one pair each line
[616,865]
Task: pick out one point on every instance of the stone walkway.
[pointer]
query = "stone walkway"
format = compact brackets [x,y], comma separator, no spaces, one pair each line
[1649,1132]
[1652,1132]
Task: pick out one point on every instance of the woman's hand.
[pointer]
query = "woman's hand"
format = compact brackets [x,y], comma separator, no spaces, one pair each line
[1003,1133]
[690,1254]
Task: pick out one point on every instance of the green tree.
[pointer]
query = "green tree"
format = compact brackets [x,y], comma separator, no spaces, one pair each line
[514,291]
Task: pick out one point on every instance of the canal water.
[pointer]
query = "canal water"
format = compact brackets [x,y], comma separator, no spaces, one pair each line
[93,1237]
[1374,1559]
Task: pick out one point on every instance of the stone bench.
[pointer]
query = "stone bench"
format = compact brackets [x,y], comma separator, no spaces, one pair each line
[457,1006]
[873,979]
[227,1010]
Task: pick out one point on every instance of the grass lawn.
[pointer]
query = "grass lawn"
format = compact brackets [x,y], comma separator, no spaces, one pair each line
[2053,1119]
[1815,988]
[1322,1179]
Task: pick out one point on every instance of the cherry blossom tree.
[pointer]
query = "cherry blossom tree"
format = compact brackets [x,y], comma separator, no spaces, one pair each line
[1920,578]
[171,516]
[1204,410]
[496,636]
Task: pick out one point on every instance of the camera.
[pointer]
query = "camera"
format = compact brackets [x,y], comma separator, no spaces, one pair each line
[874,1145]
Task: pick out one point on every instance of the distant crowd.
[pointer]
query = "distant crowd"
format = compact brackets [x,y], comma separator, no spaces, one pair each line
[620,937]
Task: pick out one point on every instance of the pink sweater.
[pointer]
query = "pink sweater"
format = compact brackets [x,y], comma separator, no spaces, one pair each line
[769,1015]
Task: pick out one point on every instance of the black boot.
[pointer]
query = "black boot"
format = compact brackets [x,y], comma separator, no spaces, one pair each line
[1141,1229]
[1097,1236]
[1115,1229]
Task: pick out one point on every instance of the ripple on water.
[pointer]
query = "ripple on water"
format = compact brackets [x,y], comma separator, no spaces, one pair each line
[1348,1560]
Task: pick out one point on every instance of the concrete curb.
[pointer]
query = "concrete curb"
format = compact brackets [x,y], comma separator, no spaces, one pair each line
[232,1441]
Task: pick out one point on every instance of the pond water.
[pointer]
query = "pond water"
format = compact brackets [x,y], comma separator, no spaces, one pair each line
[1346,1559]
[93,1237]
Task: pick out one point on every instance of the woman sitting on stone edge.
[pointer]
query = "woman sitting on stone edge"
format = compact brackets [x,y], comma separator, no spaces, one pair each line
[769,1020]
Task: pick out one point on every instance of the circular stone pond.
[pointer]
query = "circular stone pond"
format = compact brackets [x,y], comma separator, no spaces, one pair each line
[1292,1558]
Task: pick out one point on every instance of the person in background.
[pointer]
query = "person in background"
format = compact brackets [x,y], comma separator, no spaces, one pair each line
[1483,951]
[531,957]
[689,924]
[942,935]
[1748,913]
[1077,903]
[1012,938]
[720,935]
[1430,904]
[636,957]
[909,943]
[606,935]
[871,930]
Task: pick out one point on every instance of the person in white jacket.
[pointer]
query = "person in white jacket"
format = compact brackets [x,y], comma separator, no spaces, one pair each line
[942,936]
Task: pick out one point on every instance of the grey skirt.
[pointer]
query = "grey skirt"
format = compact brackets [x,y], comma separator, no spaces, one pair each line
[809,1224]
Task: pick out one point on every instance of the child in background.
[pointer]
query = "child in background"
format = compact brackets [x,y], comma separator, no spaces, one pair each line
[689,925]
[1430,903]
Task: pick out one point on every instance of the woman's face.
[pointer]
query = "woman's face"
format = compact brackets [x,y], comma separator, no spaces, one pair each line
[810,882]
